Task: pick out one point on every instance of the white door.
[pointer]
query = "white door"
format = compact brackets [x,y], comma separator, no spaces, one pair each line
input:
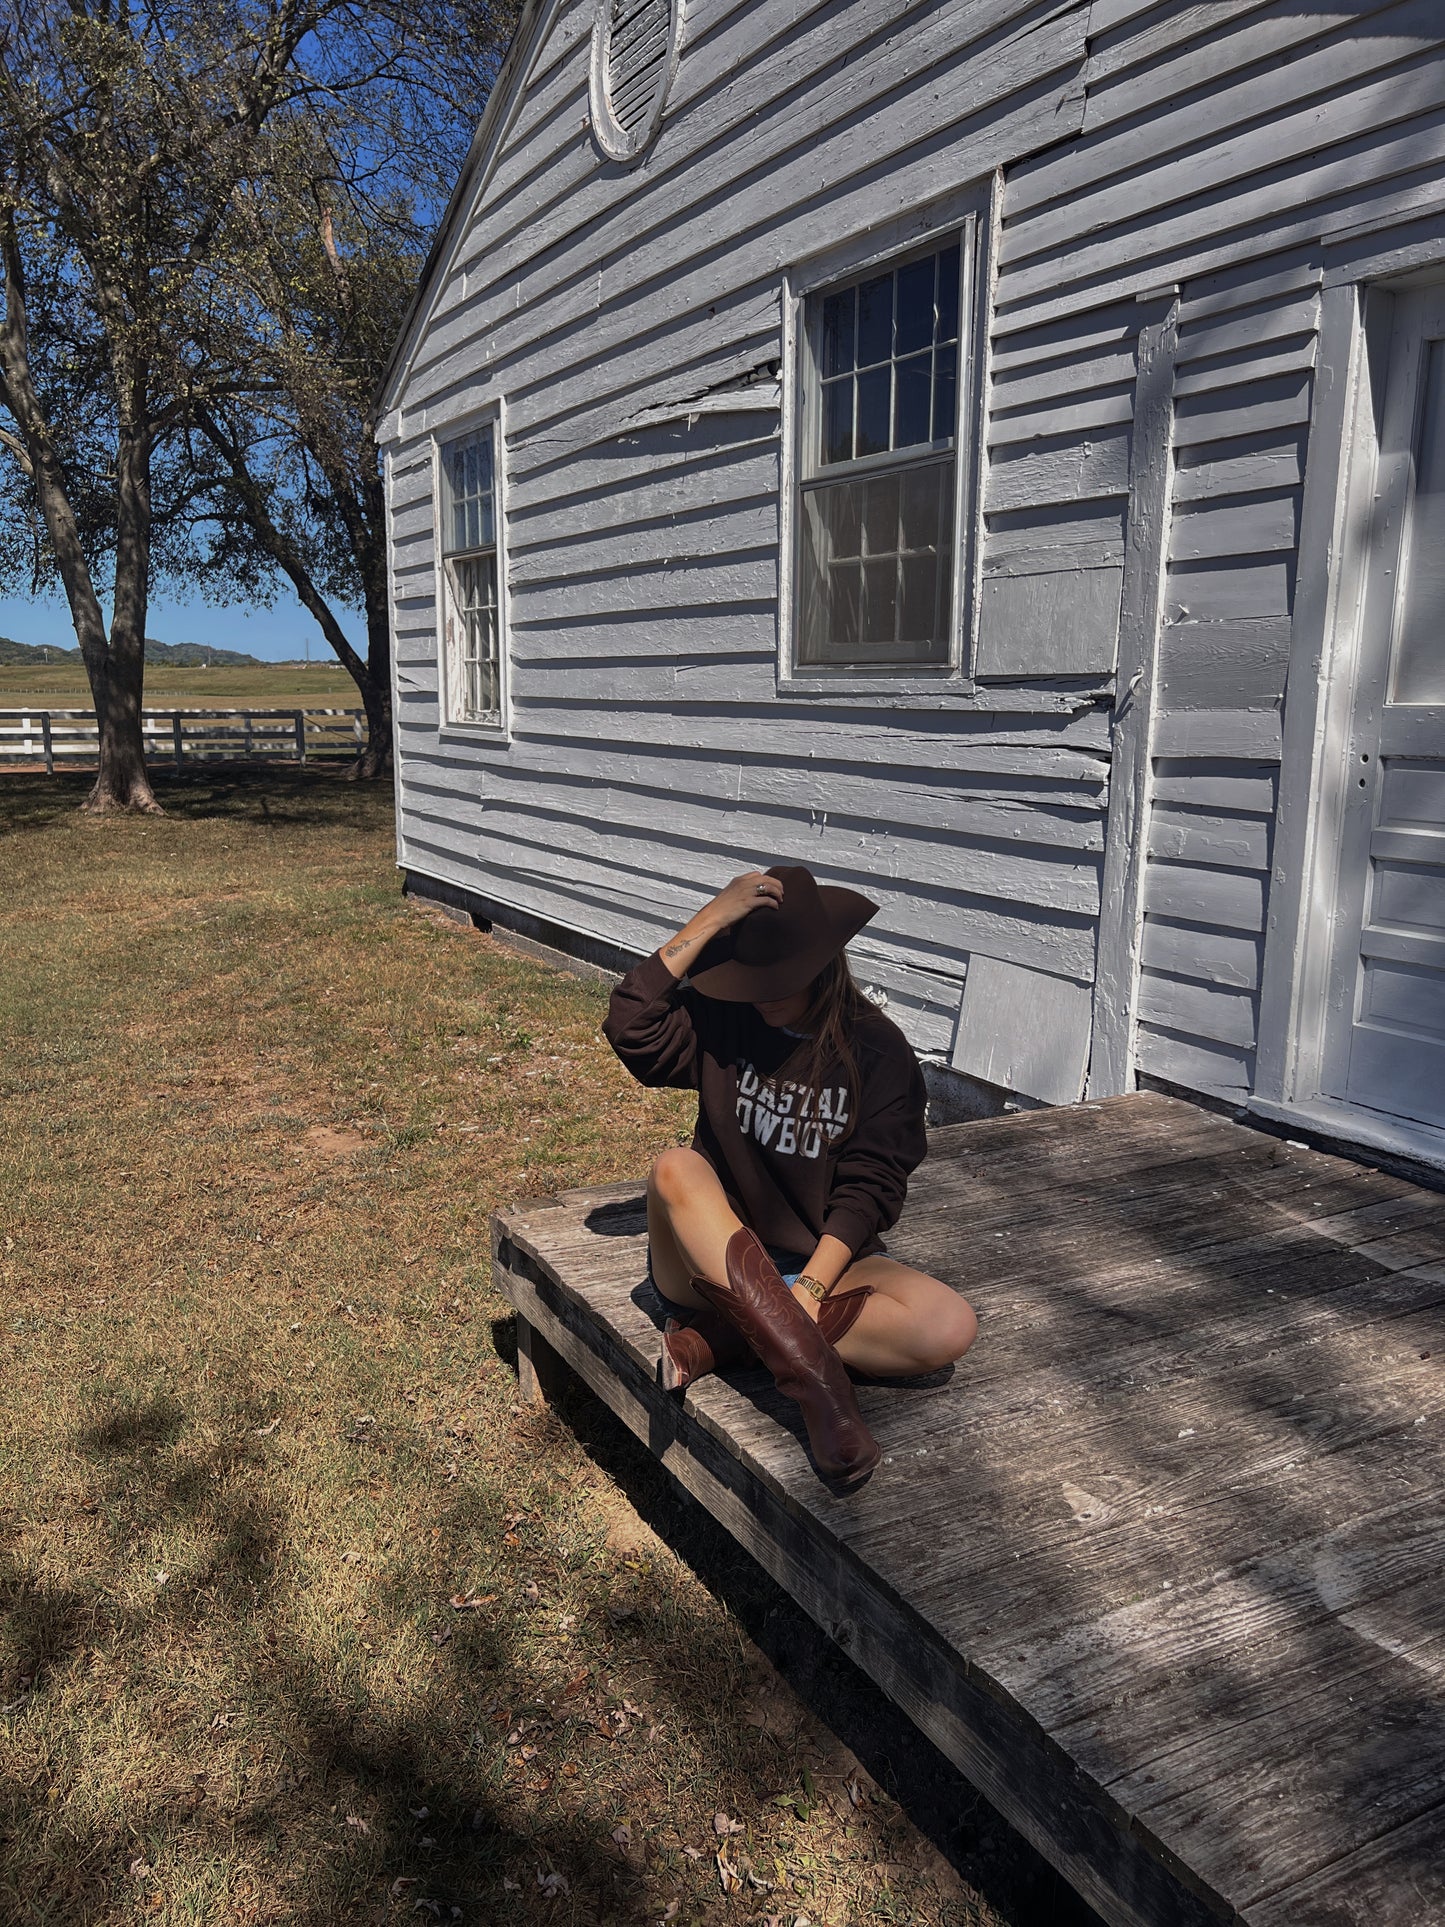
[1385,1025]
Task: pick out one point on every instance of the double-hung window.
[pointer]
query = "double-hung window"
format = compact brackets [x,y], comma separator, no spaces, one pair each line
[878,468]
[471,579]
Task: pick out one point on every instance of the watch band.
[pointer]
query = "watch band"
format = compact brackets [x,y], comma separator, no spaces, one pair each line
[820,1292]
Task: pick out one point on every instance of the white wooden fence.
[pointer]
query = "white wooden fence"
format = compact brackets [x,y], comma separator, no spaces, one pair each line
[63,738]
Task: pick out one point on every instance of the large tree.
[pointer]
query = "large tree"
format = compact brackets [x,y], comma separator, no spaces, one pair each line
[127,127]
[147,223]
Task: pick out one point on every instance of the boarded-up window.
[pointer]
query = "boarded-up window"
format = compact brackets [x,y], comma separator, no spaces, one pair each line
[634,50]
[878,477]
[471,613]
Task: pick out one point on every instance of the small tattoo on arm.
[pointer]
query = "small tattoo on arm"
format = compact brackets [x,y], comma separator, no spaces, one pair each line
[676,948]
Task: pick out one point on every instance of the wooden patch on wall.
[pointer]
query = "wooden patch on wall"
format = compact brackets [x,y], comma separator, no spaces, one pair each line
[1062,623]
[1023,1030]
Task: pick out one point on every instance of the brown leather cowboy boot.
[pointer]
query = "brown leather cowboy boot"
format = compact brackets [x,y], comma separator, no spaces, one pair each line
[708,1343]
[807,1369]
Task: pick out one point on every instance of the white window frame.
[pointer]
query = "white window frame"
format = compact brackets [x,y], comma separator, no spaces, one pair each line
[450,721]
[965,217]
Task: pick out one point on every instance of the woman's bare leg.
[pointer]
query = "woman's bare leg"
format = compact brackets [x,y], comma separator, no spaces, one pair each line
[912,1323]
[689,1222]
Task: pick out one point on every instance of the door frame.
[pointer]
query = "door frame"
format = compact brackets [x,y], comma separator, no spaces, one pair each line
[1357,307]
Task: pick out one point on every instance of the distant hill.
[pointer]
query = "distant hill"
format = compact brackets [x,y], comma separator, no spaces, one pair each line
[185,655]
[31,652]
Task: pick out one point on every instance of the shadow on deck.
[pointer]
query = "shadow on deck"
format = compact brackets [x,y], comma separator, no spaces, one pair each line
[1158,1566]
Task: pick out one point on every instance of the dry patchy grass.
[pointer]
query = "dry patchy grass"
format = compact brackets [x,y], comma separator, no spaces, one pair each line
[302,1618]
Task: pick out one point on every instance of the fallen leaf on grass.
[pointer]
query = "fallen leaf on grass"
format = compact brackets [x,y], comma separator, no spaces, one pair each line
[552,1884]
[729,1878]
[723,1824]
[139,1870]
[265,1431]
[693,1853]
[400,1885]
[531,1592]
[357,1824]
[622,1835]
[468,1602]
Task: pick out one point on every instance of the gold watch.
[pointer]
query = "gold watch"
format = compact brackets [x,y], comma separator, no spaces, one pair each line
[820,1292]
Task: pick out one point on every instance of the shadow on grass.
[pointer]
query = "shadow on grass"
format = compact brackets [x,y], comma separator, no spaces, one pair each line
[157,1422]
[280,793]
[375,1813]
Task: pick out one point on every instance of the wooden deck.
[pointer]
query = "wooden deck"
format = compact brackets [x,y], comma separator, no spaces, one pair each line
[1159,1567]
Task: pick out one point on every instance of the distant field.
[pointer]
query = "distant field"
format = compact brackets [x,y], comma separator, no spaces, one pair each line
[62,685]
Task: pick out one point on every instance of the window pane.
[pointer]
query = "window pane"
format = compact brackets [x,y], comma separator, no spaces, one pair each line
[880,515]
[922,491]
[912,401]
[838,420]
[470,520]
[838,333]
[918,611]
[1420,643]
[844,522]
[875,320]
[812,579]
[915,306]
[873,408]
[945,394]
[948,266]
[880,605]
[844,581]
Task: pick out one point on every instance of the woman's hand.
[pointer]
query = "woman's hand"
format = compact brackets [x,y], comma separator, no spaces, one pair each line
[753,891]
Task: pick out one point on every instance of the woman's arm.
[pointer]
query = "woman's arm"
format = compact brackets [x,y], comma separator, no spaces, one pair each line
[648,1024]
[740,898]
[829,1261]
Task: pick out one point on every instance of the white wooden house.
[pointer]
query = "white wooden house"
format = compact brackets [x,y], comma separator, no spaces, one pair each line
[992,452]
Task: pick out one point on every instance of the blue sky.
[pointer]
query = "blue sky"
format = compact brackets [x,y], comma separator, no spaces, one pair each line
[279,634]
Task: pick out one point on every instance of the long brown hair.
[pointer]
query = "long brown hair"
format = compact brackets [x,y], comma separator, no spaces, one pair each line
[835,1004]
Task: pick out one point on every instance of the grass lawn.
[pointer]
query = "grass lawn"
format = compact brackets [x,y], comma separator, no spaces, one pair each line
[302,1618]
[62,685]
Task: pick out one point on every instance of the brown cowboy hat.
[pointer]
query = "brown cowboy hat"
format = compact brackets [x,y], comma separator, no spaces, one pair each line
[777,953]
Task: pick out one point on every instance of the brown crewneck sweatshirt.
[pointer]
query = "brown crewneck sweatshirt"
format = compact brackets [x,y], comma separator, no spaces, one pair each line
[780,1152]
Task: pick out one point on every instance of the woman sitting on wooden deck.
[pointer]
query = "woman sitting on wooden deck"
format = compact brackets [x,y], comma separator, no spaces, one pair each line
[810,1119]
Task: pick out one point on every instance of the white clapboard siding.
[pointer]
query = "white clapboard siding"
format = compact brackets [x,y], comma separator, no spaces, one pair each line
[631,320]
[1268,155]
[1223,654]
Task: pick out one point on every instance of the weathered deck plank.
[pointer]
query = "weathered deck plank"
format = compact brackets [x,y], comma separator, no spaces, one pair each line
[1159,1565]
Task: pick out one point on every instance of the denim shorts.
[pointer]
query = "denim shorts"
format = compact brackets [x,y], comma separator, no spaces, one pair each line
[789,1263]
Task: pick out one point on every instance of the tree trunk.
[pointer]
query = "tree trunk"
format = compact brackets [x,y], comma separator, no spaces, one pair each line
[115,674]
[121,781]
[375,761]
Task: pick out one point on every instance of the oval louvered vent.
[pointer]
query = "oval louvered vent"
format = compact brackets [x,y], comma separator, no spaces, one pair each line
[634,52]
